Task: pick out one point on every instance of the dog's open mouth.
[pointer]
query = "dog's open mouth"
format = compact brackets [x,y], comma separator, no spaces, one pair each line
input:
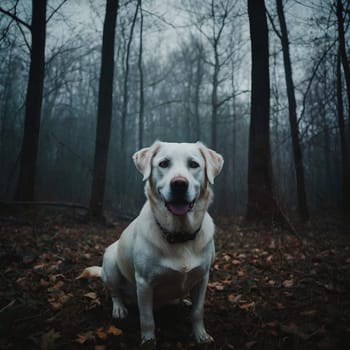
[179,207]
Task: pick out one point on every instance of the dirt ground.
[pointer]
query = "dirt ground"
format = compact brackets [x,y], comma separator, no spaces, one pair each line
[268,289]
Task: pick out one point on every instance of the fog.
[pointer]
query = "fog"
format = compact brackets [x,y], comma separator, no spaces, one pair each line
[188,47]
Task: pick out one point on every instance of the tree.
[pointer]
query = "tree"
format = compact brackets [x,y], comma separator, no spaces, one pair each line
[104,112]
[34,95]
[124,110]
[260,198]
[292,109]
[342,50]
[140,67]
[213,18]
[343,60]
[217,34]
[343,141]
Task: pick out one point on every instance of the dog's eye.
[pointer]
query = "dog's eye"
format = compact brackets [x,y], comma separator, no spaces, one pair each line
[193,164]
[164,163]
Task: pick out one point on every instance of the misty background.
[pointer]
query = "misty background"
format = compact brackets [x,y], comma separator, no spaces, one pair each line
[182,51]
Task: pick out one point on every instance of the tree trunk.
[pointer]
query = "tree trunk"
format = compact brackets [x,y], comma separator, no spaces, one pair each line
[198,82]
[29,150]
[260,199]
[142,102]
[125,89]
[343,55]
[292,108]
[343,143]
[104,113]
[214,97]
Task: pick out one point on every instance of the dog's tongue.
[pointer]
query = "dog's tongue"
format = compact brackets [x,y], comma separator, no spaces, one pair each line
[179,208]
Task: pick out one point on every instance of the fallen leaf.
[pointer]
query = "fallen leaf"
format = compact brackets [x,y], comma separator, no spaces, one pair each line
[247,306]
[217,285]
[232,298]
[271,324]
[250,344]
[21,281]
[288,283]
[308,313]
[39,267]
[280,306]
[114,331]
[57,285]
[272,244]
[288,257]
[290,328]
[227,281]
[53,278]
[44,283]
[56,305]
[227,258]
[100,332]
[91,295]
[269,258]
[100,347]
[329,286]
[84,337]
[240,273]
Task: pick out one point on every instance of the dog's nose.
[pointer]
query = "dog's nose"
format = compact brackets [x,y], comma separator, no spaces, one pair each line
[179,184]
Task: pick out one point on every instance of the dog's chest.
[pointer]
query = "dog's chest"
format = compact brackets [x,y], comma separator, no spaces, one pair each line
[178,274]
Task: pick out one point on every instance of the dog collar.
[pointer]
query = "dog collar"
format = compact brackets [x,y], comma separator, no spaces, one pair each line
[177,237]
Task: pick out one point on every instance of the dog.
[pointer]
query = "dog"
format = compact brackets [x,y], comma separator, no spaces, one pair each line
[166,252]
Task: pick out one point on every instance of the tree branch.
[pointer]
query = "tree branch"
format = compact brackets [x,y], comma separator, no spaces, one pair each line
[46,203]
[24,36]
[312,78]
[55,10]
[273,25]
[16,18]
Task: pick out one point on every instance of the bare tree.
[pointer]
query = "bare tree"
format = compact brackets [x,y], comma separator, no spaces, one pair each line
[292,108]
[342,49]
[343,141]
[124,109]
[30,141]
[260,198]
[104,112]
[212,20]
[140,67]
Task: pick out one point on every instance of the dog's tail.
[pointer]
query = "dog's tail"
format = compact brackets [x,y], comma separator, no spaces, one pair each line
[91,272]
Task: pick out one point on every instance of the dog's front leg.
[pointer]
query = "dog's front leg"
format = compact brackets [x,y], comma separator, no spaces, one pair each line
[198,298]
[145,303]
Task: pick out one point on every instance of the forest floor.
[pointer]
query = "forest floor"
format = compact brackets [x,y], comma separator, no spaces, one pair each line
[268,288]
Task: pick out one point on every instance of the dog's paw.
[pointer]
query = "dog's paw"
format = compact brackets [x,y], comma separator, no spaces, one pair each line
[148,344]
[119,311]
[202,337]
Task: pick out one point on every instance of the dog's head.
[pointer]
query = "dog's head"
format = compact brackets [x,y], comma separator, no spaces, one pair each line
[178,172]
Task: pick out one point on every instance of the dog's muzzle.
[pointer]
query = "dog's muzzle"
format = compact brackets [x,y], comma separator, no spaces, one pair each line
[179,204]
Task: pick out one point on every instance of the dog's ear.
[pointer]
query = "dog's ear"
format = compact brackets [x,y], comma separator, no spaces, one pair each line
[213,162]
[143,159]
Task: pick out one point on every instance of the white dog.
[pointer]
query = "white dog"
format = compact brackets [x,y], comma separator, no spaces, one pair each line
[167,251]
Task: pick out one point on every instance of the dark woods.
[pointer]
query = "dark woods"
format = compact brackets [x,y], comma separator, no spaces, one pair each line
[267,84]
